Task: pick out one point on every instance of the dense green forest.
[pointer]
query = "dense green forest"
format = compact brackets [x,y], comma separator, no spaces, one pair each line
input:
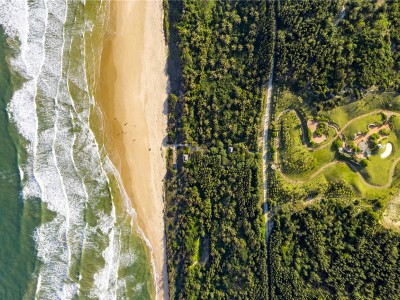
[329,48]
[226,53]
[327,242]
[215,230]
[333,251]
[217,240]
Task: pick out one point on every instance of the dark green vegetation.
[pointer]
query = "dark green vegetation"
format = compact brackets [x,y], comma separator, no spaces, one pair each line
[225,50]
[215,233]
[216,239]
[333,251]
[328,241]
[321,54]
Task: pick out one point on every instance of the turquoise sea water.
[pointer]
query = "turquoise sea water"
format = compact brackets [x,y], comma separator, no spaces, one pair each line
[67,231]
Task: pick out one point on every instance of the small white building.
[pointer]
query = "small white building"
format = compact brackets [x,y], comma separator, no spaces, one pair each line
[230,150]
[185,157]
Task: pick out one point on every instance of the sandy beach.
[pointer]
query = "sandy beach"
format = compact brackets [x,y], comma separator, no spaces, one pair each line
[132,96]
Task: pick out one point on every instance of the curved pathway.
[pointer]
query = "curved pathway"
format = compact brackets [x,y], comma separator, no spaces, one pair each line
[350,164]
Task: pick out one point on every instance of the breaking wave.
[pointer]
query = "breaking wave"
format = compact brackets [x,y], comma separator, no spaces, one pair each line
[84,244]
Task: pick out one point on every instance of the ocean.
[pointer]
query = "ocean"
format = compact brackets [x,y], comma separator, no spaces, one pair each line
[67,228]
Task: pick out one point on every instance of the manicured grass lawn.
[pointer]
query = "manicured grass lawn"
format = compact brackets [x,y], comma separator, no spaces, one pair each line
[343,114]
[396,175]
[323,156]
[378,170]
[361,126]
[342,171]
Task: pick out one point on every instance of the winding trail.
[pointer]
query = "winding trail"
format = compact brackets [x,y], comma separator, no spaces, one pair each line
[351,165]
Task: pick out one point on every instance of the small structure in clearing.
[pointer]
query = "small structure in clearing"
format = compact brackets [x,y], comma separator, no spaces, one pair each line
[364,143]
[364,149]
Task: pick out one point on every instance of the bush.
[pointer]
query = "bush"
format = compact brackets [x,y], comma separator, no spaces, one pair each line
[171,137]
[374,136]
[384,117]
[364,162]
[338,143]
[310,135]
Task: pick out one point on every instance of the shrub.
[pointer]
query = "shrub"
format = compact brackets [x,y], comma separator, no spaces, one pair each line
[384,131]
[364,162]
[374,136]
[338,143]
[171,137]
[384,117]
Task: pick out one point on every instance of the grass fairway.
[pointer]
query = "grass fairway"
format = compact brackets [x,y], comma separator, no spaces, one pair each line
[323,156]
[341,171]
[396,175]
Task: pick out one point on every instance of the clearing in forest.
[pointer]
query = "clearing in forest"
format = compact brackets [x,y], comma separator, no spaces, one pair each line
[360,145]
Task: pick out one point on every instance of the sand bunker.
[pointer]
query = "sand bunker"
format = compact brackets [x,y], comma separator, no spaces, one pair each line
[388,150]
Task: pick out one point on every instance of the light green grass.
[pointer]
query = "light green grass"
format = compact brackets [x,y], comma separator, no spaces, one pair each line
[293,144]
[367,184]
[343,114]
[196,251]
[342,171]
[293,155]
[361,126]
[396,175]
[378,170]
[323,156]
[286,100]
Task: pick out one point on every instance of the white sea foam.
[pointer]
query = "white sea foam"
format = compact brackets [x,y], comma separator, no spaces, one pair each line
[64,167]
[15,19]
[109,166]
[105,280]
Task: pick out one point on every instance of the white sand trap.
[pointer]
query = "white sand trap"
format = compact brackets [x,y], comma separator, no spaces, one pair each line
[388,150]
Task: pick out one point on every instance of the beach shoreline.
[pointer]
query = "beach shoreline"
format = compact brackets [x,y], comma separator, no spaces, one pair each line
[132,95]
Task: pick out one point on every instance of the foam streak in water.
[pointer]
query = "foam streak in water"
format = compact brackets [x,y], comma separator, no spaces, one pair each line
[80,242]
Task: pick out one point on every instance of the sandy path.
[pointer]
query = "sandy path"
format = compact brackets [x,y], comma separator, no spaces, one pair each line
[132,95]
